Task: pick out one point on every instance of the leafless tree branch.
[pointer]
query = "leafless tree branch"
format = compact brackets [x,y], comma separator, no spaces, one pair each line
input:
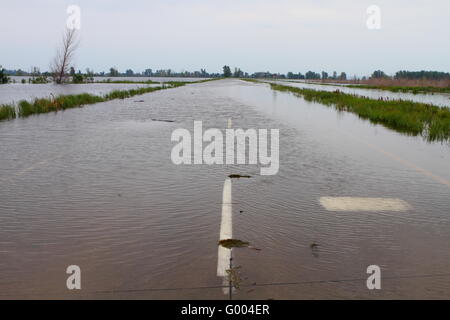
[64,56]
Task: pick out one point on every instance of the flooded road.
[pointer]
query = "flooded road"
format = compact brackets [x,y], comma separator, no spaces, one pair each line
[96,187]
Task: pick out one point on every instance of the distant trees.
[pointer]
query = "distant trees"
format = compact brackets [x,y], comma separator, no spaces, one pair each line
[377,74]
[77,78]
[113,72]
[89,76]
[82,77]
[238,73]
[291,75]
[312,75]
[226,71]
[129,73]
[3,77]
[148,73]
[334,77]
[343,76]
[36,76]
[430,75]
[64,55]
[324,75]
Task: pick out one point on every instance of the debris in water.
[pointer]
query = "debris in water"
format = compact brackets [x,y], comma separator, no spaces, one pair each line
[163,120]
[139,101]
[314,249]
[234,277]
[237,176]
[233,243]
[236,243]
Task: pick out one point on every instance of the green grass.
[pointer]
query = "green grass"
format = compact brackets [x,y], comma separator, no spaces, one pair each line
[413,118]
[59,103]
[127,81]
[152,82]
[405,89]
[413,90]
[62,102]
[7,112]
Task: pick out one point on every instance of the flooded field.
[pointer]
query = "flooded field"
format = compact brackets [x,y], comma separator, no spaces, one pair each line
[14,92]
[96,187]
[438,99]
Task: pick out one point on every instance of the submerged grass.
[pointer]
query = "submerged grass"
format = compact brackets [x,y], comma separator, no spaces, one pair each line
[413,118]
[7,112]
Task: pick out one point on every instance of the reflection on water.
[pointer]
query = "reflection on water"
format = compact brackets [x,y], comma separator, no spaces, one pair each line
[96,187]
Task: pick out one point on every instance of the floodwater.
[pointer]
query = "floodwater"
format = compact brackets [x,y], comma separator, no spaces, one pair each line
[18,79]
[438,99]
[96,187]
[14,92]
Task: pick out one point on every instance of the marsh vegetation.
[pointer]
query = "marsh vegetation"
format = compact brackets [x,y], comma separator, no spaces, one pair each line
[7,112]
[26,108]
[413,118]
[406,89]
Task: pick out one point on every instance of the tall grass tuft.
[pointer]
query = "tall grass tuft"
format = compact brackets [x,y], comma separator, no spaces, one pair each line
[7,112]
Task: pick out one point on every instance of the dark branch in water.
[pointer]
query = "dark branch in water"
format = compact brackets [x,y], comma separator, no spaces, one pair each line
[162,120]
[233,243]
[237,176]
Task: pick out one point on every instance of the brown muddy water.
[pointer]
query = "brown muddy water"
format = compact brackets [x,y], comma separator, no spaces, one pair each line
[96,187]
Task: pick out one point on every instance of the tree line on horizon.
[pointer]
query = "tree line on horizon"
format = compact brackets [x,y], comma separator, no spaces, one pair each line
[87,76]
[62,70]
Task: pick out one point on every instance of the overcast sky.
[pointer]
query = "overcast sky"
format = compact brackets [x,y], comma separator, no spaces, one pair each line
[255,35]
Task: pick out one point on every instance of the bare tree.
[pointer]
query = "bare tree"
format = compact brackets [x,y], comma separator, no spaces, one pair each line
[64,55]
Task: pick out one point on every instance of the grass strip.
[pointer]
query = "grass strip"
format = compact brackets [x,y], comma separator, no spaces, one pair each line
[43,105]
[414,90]
[412,118]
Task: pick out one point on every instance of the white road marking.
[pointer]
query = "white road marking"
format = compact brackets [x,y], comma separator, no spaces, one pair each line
[230,123]
[363,204]
[226,230]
